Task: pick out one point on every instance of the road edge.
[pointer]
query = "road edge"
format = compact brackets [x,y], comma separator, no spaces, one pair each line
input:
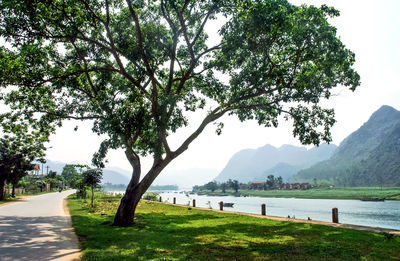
[76,256]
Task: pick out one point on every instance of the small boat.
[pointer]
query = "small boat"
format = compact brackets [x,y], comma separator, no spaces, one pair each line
[229,205]
[372,199]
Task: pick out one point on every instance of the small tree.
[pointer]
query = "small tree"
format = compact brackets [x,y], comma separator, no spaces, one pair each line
[223,187]
[235,185]
[92,178]
[53,179]
[212,185]
[69,173]
[279,182]
[270,183]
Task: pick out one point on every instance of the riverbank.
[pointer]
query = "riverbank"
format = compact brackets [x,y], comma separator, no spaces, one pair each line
[166,232]
[317,193]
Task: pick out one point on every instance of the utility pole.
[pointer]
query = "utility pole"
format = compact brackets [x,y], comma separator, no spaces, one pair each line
[47,168]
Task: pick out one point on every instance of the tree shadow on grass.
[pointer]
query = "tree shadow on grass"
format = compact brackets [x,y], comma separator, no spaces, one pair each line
[196,235]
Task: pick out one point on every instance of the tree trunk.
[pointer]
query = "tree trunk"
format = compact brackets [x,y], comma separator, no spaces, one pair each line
[2,183]
[126,210]
[92,195]
[127,207]
[13,191]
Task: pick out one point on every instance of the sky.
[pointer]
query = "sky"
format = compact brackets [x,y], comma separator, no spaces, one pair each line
[369,28]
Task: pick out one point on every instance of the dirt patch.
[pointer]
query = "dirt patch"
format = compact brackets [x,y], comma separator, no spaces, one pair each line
[18,199]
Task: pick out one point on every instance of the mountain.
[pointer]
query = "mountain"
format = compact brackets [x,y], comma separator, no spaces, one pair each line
[368,157]
[256,164]
[186,178]
[115,175]
[285,170]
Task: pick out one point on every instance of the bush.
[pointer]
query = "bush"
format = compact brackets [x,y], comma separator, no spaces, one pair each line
[152,196]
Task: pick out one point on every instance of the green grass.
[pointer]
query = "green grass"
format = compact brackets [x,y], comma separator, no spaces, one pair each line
[325,193]
[165,232]
[7,200]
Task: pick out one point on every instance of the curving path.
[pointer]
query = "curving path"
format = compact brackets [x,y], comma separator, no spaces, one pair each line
[38,228]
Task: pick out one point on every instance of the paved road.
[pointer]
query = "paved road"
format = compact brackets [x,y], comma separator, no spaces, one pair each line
[37,229]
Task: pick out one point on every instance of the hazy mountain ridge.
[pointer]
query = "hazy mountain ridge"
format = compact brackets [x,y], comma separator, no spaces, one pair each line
[369,156]
[115,175]
[256,164]
[112,175]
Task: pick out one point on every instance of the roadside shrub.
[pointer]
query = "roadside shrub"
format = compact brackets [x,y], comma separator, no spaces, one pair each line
[152,196]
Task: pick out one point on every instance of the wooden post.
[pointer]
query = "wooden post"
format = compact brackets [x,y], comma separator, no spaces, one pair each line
[194,203]
[174,200]
[263,209]
[160,199]
[335,215]
[221,205]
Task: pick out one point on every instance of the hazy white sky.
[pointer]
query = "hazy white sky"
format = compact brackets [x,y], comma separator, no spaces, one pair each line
[368,28]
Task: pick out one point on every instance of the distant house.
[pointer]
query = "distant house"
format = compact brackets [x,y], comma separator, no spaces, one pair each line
[35,171]
[257,185]
[292,186]
[305,186]
[287,186]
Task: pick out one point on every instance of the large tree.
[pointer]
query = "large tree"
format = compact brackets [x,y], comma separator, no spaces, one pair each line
[16,156]
[135,67]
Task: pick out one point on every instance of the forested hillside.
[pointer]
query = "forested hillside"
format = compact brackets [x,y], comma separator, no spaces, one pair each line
[368,157]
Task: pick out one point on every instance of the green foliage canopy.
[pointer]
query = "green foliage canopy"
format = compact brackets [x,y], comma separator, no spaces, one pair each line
[135,67]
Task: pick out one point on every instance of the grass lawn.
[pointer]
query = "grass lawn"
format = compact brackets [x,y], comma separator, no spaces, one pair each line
[165,232]
[326,193]
[7,200]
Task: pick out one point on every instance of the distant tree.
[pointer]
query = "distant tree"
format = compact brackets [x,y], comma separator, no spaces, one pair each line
[52,174]
[235,185]
[223,187]
[69,173]
[92,178]
[211,186]
[270,183]
[53,179]
[20,169]
[135,68]
[314,182]
[279,182]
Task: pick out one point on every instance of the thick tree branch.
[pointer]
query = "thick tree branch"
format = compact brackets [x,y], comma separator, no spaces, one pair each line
[86,69]
[189,71]
[214,115]
[68,75]
[202,27]
[140,39]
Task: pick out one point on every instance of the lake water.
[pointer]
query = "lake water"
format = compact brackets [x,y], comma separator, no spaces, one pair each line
[367,213]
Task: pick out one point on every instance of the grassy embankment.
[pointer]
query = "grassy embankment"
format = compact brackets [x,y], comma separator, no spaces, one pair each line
[325,193]
[165,232]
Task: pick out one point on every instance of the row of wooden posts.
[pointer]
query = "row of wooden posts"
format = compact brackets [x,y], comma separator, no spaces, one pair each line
[335,212]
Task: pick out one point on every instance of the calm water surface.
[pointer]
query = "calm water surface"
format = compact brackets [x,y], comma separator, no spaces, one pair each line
[375,214]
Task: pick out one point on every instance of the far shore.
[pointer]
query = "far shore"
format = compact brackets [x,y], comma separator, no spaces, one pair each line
[366,193]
